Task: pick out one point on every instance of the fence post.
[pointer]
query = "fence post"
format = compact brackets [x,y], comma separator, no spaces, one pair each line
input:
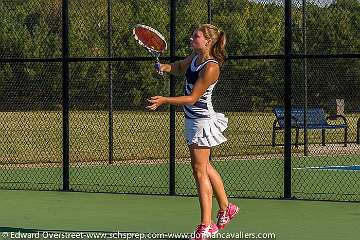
[306,144]
[172,190]
[65,92]
[110,78]
[287,102]
[209,11]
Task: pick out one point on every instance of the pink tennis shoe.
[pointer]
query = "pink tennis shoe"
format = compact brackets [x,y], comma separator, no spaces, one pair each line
[224,217]
[203,232]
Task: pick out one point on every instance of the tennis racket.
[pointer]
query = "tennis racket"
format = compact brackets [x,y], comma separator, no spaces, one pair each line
[152,41]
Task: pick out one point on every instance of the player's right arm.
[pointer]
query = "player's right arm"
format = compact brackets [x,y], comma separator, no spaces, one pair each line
[178,67]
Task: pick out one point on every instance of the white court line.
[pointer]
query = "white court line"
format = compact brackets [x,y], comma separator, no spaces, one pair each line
[332,166]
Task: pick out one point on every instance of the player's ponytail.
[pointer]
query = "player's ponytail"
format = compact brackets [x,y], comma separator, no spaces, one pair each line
[218,49]
[218,38]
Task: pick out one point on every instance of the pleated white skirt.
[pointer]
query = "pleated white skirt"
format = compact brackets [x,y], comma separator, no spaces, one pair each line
[206,131]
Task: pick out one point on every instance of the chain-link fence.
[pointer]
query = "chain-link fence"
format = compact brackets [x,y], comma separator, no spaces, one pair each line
[74,85]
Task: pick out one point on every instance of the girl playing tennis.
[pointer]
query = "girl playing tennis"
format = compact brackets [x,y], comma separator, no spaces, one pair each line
[203,126]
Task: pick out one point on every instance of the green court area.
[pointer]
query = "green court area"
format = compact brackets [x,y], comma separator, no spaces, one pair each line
[242,177]
[74,212]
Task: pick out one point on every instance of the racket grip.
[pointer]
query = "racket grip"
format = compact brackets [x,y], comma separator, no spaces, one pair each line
[157,67]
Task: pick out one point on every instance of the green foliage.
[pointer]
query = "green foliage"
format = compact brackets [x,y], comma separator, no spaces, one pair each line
[32,29]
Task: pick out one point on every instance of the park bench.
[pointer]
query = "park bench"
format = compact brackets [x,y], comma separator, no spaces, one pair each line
[316,120]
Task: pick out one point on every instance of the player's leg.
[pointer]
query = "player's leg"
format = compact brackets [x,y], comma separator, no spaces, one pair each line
[218,187]
[199,163]
[227,210]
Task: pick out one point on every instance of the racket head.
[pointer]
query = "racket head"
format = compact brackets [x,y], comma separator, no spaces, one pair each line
[150,39]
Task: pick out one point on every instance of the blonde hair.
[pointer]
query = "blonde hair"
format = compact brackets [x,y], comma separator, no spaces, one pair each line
[218,38]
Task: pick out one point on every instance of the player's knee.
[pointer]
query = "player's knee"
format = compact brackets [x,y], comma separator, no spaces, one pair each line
[199,172]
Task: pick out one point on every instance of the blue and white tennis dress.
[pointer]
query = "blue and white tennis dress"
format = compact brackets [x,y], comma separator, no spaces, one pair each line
[203,126]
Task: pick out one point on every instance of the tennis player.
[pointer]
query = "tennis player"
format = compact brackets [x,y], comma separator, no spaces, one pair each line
[203,126]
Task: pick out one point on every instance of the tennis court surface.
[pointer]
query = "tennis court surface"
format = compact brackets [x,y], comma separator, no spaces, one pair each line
[117,215]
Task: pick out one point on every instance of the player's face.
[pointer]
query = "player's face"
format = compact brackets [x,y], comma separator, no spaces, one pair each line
[197,40]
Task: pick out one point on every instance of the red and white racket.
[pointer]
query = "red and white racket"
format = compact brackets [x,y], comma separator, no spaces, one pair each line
[151,40]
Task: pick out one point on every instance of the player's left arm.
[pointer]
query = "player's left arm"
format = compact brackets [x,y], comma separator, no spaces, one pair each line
[207,76]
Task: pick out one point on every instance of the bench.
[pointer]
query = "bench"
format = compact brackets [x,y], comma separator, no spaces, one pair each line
[316,119]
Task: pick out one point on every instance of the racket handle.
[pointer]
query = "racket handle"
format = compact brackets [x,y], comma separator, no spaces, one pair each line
[157,67]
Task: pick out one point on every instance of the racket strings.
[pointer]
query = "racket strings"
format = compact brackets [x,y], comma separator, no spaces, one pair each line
[150,39]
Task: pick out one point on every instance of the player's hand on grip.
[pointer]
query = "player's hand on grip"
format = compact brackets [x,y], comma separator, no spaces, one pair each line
[159,68]
[155,102]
